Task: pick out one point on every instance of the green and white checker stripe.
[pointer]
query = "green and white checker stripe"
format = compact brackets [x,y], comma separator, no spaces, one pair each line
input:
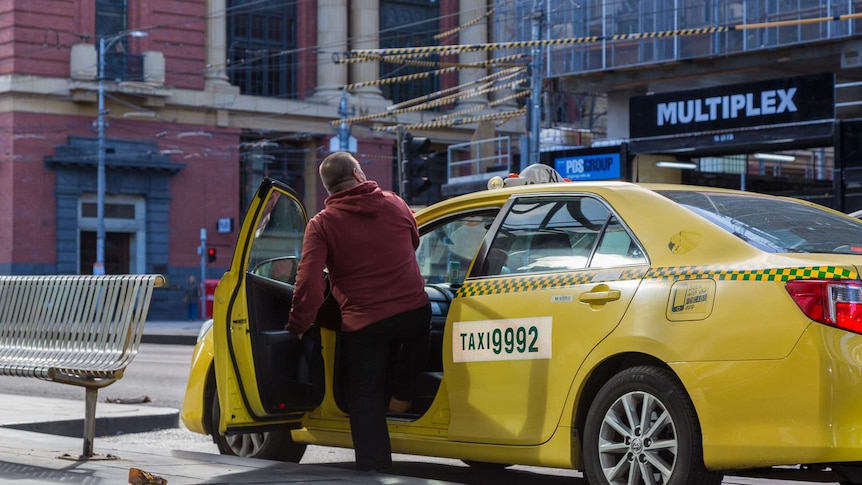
[517,284]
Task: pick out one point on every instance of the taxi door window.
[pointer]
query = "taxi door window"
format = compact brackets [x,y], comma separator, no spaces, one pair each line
[616,248]
[545,234]
[278,235]
[446,250]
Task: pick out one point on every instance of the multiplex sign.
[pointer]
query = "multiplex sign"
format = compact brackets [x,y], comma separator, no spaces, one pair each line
[734,106]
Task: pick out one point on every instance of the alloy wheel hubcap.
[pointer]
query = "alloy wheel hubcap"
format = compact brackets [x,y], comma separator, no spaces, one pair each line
[637,441]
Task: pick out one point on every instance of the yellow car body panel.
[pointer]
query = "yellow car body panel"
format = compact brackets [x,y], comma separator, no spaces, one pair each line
[231,370]
[195,415]
[775,420]
[520,394]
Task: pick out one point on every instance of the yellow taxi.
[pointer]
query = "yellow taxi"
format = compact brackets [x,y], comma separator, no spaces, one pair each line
[643,334]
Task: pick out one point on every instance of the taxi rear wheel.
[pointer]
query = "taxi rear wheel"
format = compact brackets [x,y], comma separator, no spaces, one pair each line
[642,428]
[270,445]
[850,473]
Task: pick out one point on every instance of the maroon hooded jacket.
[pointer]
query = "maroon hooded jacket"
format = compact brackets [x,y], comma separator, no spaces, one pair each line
[367,238]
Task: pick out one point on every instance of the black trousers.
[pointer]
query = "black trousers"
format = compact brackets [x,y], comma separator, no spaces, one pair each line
[370,352]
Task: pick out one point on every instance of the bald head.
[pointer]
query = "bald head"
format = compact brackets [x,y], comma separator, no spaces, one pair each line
[340,171]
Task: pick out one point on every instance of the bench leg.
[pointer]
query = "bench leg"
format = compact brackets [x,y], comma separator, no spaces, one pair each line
[90,399]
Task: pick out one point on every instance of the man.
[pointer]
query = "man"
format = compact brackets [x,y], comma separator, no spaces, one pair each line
[192,298]
[366,238]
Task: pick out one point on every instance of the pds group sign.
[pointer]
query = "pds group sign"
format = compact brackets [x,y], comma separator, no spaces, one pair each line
[589,167]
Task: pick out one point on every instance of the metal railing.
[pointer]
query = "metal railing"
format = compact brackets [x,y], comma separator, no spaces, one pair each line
[121,66]
[703,22]
[473,161]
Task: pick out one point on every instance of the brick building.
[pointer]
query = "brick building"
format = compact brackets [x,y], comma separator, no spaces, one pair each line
[216,95]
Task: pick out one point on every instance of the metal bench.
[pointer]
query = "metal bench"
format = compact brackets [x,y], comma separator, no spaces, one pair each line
[78,330]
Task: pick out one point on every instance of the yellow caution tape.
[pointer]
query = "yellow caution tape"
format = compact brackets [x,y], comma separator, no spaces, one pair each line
[458,121]
[471,23]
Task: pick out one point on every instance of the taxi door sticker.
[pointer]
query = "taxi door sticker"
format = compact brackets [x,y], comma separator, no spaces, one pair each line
[507,339]
[691,300]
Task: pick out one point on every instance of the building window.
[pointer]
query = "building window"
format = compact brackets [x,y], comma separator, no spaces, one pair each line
[261,47]
[283,161]
[120,65]
[113,211]
[408,23]
[111,17]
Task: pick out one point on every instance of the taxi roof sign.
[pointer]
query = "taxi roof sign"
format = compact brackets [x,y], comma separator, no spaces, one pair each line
[532,174]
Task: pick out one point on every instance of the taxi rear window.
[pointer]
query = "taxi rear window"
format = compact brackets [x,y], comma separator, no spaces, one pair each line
[775,225]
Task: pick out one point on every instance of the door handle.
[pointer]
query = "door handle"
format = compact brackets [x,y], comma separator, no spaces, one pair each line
[599,297]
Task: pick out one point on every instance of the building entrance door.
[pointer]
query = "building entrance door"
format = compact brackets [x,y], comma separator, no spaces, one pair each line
[117,252]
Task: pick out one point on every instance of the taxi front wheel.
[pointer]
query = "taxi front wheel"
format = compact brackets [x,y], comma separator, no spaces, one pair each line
[642,429]
[270,445]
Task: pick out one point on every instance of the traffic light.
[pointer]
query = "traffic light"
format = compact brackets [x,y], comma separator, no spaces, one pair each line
[438,167]
[211,255]
[415,172]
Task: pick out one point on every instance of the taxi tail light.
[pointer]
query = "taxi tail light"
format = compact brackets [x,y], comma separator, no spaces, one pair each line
[835,303]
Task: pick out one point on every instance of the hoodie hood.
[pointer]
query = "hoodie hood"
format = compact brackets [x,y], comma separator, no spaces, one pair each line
[364,199]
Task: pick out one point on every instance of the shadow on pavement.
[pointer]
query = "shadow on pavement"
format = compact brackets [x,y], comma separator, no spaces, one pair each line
[479,475]
[17,472]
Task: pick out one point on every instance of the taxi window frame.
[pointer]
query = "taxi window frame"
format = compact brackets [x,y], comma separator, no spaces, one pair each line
[496,210]
[479,267]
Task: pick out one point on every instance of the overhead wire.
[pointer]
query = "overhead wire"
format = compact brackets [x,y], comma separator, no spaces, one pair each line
[412,61]
[430,104]
[458,29]
[439,101]
[420,75]
[490,104]
[504,115]
[441,92]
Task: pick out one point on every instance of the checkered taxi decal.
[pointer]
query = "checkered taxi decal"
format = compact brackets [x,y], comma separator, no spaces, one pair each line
[491,286]
[771,274]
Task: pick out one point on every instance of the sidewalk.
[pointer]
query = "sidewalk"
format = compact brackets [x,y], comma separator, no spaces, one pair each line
[171,332]
[28,458]
[40,444]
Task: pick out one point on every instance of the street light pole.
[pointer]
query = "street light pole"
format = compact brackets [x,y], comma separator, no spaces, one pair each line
[534,114]
[104,45]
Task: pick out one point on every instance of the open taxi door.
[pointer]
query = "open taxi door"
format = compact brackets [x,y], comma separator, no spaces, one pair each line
[264,375]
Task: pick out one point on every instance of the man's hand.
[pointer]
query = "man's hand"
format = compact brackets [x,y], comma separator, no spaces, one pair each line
[295,334]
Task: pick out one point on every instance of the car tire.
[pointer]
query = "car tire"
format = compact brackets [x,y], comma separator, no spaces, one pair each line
[850,473]
[614,440]
[270,445]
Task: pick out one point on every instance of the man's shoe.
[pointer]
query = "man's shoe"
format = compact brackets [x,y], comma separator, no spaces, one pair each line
[399,406]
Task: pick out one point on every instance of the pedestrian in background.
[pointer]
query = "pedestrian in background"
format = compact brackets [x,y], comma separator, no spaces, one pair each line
[192,298]
[367,237]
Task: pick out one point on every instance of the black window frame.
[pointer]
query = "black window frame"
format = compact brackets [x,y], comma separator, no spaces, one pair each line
[408,23]
[262,43]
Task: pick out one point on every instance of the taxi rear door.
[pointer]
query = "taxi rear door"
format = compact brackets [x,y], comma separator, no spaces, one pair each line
[556,277]
[263,374]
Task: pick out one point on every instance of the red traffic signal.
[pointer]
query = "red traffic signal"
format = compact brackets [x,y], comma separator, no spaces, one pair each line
[211,254]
